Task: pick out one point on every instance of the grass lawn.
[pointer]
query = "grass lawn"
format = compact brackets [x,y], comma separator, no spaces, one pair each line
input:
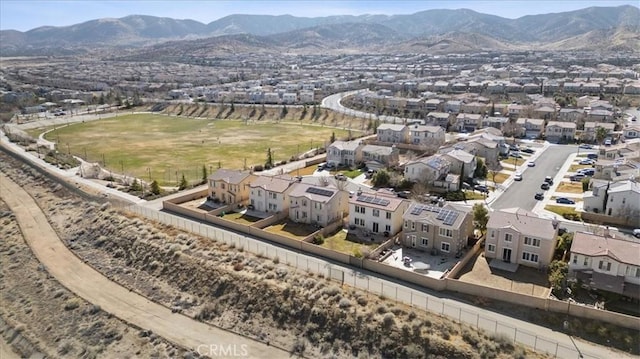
[151,146]
[473,195]
[352,173]
[347,243]
[500,177]
[307,171]
[241,218]
[291,229]
[570,187]
[561,210]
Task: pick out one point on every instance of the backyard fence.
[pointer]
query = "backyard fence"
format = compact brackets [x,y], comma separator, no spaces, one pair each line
[372,285]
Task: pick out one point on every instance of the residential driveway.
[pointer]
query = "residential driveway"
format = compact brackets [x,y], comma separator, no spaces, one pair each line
[92,286]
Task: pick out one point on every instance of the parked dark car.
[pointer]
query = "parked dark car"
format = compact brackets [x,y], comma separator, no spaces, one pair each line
[544,186]
[593,156]
[565,200]
[577,177]
[539,196]
[548,180]
[403,194]
[481,188]
[528,150]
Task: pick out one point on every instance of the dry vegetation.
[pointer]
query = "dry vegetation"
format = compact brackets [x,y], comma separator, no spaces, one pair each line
[40,316]
[248,294]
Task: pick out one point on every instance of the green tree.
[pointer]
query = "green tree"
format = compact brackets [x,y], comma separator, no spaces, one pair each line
[284,111]
[558,271]
[601,134]
[155,187]
[585,184]
[481,169]
[332,139]
[135,185]
[269,163]
[183,183]
[381,179]
[204,174]
[480,217]
[564,241]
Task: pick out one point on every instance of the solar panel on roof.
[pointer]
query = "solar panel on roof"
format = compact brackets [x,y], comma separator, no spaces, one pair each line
[320,191]
[450,218]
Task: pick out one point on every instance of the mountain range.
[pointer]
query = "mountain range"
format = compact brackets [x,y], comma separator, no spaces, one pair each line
[593,28]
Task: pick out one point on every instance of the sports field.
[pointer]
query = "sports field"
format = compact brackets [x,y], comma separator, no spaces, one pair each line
[160,147]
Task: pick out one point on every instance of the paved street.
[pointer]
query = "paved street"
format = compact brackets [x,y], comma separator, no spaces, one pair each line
[521,194]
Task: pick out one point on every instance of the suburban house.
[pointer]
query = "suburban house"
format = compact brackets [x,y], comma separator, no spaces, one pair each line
[317,205]
[379,157]
[495,122]
[391,133]
[589,133]
[557,131]
[270,193]
[438,230]
[606,263]
[544,112]
[630,132]
[438,119]
[343,152]
[452,106]
[377,212]
[482,147]
[629,149]
[615,199]
[229,186]
[570,114]
[530,127]
[600,116]
[462,162]
[468,122]
[427,169]
[518,236]
[422,135]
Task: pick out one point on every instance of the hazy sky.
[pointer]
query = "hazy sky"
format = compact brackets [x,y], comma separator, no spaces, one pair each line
[28,14]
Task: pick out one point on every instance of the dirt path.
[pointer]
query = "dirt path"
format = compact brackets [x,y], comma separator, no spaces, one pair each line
[6,352]
[115,299]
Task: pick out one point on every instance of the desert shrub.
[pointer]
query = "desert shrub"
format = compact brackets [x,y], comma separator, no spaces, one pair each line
[362,301]
[344,303]
[470,337]
[276,260]
[238,266]
[330,291]
[72,304]
[299,346]
[388,320]
[381,309]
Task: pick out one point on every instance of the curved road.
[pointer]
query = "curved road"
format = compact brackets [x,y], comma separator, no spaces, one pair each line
[92,286]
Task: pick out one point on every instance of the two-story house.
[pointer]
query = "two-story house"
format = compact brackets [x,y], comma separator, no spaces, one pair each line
[529,127]
[462,162]
[439,230]
[377,212]
[343,152]
[270,193]
[427,169]
[468,122]
[520,237]
[606,263]
[392,133]
[317,205]
[615,199]
[557,131]
[421,135]
[590,128]
[378,157]
[229,186]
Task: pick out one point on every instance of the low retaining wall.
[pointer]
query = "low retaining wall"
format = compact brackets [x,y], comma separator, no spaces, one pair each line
[600,218]
[411,277]
[453,273]
[188,197]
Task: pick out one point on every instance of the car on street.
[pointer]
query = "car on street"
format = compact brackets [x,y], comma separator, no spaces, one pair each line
[515,154]
[587,161]
[341,177]
[607,142]
[517,177]
[528,150]
[593,156]
[481,188]
[544,186]
[514,148]
[321,166]
[539,195]
[587,171]
[403,194]
[565,200]
[586,146]
[531,164]
[636,232]
[548,180]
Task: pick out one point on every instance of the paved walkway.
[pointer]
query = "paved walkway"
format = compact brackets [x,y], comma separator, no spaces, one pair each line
[92,286]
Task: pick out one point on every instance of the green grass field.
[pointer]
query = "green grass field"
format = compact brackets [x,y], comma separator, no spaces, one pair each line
[159,147]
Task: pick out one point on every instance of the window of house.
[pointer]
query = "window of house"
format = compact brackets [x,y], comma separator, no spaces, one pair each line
[446,232]
[425,242]
[304,214]
[604,265]
[406,224]
[575,259]
[259,193]
[491,248]
[413,225]
[304,202]
[530,257]
[586,261]
[534,242]
[445,247]
[425,227]
[493,234]
[388,215]
[508,237]
[376,213]
[387,228]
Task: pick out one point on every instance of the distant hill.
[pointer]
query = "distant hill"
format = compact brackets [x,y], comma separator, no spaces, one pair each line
[586,29]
